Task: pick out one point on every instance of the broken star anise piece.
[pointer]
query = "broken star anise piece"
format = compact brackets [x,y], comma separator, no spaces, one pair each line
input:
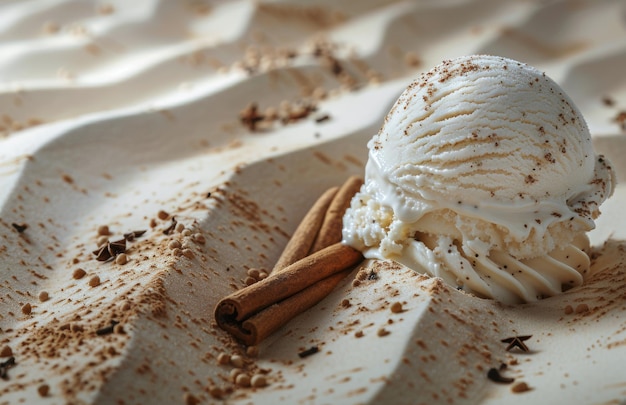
[110,250]
[516,341]
[130,236]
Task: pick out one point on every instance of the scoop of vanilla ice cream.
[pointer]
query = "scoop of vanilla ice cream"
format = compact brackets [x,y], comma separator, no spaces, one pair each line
[484,174]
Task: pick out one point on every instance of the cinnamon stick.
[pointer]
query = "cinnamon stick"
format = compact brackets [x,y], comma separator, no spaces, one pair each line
[304,235]
[259,326]
[283,284]
[297,281]
[331,230]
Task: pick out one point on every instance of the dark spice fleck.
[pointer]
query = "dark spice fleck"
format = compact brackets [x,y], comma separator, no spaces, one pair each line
[130,236]
[5,366]
[517,341]
[494,375]
[372,275]
[322,118]
[250,116]
[620,118]
[107,329]
[171,228]
[608,101]
[308,352]
[19,227]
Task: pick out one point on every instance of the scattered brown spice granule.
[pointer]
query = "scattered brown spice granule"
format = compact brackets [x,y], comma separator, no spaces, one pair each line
[74,327]
[382,332]
[79,273]
[50,27]
[118,329]
[580,308]
[216,392]
[190,399]
[188,253]
[345,303]
[94,281]
[396,307]
[121,259]
[236,361]
[258,381]
[43,390]
[520,387]
[223,359]
[26,309]
[199,238]
[411,59]
[163,215]
[180,227]
[252,351]
[43,296]
[174,244]
[153,223]
[103,230]
[234,373]
[568,310]
[6,351]
[250,280]
[254,273]
[102,240]
[243,380]
[106,9]
[358,333]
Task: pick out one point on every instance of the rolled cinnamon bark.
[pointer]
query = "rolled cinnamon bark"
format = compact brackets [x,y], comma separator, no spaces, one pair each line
[294,278]
[298,281]
[259,326]
[304,235]
[331,230]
